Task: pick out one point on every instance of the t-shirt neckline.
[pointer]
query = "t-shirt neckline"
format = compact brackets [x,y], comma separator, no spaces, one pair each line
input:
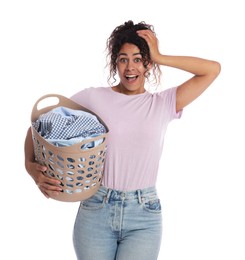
[125,95]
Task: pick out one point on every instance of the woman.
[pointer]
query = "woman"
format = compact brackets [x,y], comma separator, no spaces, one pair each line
[123,219]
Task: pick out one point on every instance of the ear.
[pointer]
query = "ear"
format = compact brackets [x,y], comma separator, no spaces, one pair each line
[149,66]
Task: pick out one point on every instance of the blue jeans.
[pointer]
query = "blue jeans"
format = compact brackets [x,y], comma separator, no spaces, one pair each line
[115,225]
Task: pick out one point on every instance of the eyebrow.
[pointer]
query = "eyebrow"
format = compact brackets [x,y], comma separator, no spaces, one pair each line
[125,54]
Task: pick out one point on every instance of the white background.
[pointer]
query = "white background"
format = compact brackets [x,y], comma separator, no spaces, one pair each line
[58,46]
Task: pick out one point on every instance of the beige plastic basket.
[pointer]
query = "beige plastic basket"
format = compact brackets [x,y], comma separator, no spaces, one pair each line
[80,171]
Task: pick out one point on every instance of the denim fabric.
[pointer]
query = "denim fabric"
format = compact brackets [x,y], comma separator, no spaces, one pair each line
[115,225]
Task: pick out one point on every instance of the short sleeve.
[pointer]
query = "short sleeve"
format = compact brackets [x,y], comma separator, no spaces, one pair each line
[169,99]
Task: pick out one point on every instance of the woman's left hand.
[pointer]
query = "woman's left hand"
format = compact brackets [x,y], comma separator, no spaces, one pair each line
[152,42]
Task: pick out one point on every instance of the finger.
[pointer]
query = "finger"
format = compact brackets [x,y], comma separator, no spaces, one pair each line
[48,182]
[48,194]
[51,181]
[50,187]
[145,33]
[41,168]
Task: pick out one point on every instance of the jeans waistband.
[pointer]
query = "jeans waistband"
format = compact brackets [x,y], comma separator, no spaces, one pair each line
[118,195]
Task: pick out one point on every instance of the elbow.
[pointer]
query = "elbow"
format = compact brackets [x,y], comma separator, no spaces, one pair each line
[214,71]
[216,68]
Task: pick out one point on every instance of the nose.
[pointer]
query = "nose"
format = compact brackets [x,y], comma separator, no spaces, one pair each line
[130,65]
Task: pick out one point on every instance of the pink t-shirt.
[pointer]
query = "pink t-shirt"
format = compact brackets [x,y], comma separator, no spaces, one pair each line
[137,126]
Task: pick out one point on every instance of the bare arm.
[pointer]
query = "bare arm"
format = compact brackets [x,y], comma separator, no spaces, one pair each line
[46,185]
[204,71]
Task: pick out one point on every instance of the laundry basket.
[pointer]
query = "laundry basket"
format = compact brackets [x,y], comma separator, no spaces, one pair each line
[80,171]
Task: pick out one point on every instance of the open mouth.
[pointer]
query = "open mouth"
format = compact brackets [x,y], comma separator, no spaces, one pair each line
[131,77]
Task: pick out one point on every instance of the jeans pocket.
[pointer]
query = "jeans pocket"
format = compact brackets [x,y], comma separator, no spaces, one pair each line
[152,205]
[93,203]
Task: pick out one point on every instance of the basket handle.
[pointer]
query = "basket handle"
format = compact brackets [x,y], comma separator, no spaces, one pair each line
[62,101]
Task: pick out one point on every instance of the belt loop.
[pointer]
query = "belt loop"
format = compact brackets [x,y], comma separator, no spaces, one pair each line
[108,195]
[139,196]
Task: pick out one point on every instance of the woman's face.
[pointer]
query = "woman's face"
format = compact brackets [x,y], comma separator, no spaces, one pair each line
[131,70]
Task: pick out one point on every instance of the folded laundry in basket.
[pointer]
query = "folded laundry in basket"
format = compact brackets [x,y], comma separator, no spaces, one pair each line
[63,126]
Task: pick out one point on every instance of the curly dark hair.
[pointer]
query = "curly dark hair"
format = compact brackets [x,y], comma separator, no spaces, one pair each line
[126,33]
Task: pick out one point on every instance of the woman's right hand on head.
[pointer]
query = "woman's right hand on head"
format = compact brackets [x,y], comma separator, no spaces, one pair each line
[47,185]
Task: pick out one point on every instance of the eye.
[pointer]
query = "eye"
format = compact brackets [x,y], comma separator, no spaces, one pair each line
[137,60]
[122,60]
